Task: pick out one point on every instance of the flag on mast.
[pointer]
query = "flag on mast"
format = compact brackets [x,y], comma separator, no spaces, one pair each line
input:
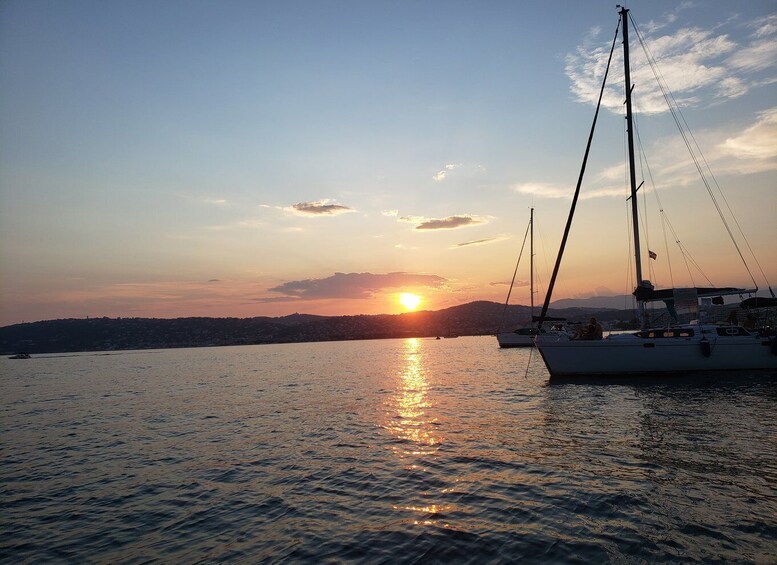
[651,254]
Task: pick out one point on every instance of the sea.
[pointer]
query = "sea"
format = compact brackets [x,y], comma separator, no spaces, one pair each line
[384,451]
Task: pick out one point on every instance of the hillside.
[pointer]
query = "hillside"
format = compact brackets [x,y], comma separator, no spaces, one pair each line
[107,334]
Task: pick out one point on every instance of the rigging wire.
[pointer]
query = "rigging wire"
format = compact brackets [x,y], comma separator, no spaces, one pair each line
[662,214]
[568,225]
[537,272]
[629,270]
[674,109]
[515,272]
[643,208]
[731,212]
[528,364]
[684,251]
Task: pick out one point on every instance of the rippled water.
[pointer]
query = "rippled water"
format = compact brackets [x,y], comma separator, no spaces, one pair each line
[396,451]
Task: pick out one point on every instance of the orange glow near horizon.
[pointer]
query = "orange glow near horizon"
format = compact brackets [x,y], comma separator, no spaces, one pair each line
[409,300]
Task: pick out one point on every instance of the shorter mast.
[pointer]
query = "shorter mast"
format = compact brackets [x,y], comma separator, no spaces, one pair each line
[531,262]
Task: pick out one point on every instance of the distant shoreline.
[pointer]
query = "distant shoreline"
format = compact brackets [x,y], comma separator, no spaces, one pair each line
[122,334]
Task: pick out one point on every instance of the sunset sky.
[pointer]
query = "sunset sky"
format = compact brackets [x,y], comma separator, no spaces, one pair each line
[247,158]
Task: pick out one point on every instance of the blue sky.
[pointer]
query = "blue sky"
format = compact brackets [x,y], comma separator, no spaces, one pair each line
[230,158]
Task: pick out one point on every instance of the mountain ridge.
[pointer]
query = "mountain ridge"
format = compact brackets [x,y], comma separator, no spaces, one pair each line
[109,334]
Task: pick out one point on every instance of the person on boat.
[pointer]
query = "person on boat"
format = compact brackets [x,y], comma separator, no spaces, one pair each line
[594,330]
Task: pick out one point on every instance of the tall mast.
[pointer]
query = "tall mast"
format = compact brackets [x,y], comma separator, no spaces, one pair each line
[531,261]
[624,13]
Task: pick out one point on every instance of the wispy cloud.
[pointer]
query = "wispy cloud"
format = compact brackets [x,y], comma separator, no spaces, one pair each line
[390,213]
[546,190]
[449,223]
[668,17]
[441,175]
[517,284]
[765,27]
[351,286]
[481,241]
[758,141]
[215,201]
[759,55]
[697,64]
[249,223]
[750,149]
[317,208]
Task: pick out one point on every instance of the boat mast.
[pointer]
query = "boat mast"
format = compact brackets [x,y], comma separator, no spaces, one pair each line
[624,13]
[531,261]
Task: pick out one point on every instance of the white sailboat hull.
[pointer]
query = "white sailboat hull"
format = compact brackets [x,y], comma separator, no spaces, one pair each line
[512,339]
[632,355]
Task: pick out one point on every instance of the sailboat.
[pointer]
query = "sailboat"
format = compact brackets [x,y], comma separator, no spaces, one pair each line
[521,337]
[524,336]
[675,349]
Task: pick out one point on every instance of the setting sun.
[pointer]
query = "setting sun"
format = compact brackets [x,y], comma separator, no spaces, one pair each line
[409,300]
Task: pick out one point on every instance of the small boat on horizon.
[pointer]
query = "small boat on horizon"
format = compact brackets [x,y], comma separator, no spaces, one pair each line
[20,356]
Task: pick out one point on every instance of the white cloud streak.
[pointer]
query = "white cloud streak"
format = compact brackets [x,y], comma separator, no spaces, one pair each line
[758,141]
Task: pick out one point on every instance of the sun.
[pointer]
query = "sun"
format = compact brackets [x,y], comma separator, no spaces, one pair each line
[409,300]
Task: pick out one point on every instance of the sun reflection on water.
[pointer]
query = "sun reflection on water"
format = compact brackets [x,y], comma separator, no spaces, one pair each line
[409,420]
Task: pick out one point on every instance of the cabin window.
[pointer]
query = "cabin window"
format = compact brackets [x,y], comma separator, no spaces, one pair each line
[652,334]
[732,331]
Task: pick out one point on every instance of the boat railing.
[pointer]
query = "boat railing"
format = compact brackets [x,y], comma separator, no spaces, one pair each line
[727,315]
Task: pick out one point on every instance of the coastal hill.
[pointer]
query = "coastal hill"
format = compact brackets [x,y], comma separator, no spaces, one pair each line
[108,334]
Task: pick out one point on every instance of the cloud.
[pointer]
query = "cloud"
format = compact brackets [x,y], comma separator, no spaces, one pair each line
[250,223]
[544,190]
[390,213]
[759,55]
[449,223]
[758,141]
[440,176]
[697,64]
[481,241]
[517,284]
[323,207]
[215,201]
[748,150]
[350,286]
[554,191]
[765,26]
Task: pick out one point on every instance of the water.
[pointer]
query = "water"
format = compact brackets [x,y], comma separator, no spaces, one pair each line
[394,451]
